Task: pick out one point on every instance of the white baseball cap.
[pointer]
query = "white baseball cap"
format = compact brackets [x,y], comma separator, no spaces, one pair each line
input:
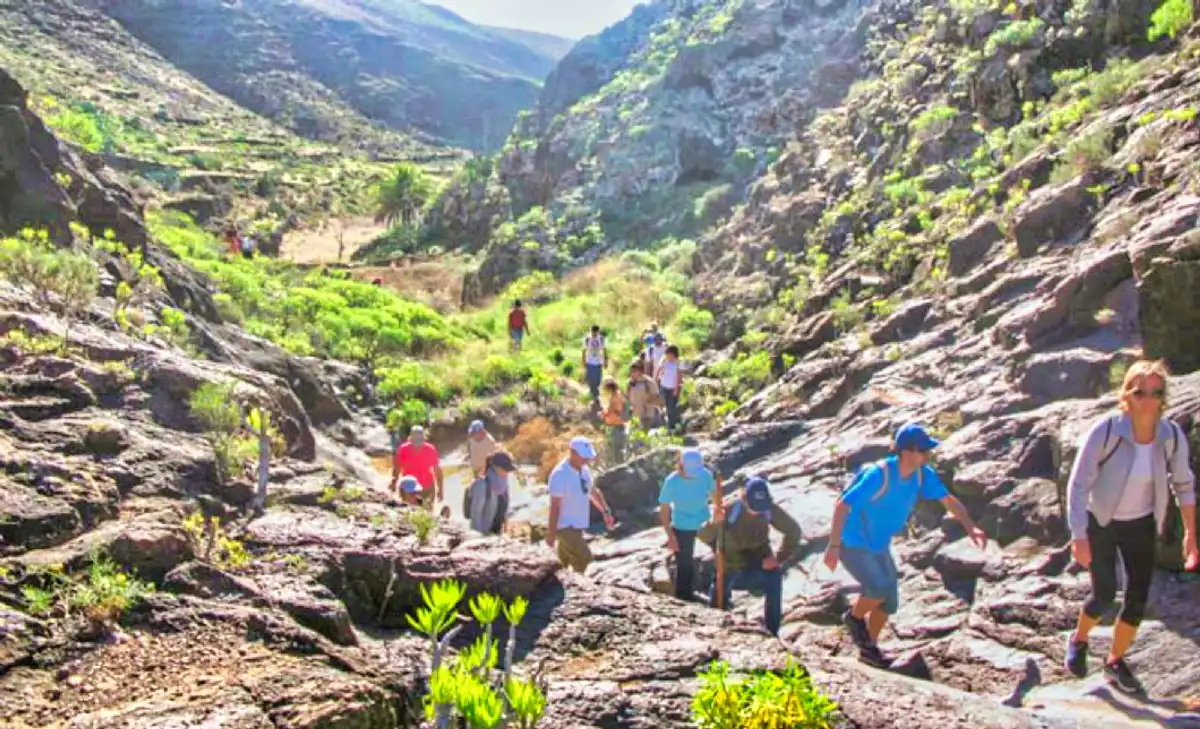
[583,448]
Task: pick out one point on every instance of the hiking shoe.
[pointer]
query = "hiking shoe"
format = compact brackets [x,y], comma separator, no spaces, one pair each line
[1122,678]
[872,656]
[858,630]
[1077,654]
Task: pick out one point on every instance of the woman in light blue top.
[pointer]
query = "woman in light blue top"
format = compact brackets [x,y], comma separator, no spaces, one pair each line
[684,508]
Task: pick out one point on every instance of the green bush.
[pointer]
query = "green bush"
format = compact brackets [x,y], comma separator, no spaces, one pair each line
[103,594]
[1171,18]
[764,700]
[1017,34]
[62,280]
[216,406]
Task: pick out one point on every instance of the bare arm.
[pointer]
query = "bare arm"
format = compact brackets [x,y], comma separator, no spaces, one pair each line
[959,512]
[833,551]
[664,516]
[437,474]
[552,527]
[598,499]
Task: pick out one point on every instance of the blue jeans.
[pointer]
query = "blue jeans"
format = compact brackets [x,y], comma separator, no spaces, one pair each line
[769,582]
[876,575]
[595,375]
[672,402]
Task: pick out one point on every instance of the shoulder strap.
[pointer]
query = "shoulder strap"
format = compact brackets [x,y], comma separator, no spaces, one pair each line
[883,466]
[1170,454]
[1107,453]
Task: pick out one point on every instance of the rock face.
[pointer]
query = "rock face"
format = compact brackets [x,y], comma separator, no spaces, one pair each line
[404,64]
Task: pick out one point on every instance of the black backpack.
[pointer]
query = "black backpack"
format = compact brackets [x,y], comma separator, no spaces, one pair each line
[1110,453]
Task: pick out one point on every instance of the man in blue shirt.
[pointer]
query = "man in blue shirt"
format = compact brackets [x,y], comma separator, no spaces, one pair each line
[684,508]
[874,509]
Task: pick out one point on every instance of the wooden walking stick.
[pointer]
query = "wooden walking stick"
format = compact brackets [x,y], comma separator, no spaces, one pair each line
[719,512]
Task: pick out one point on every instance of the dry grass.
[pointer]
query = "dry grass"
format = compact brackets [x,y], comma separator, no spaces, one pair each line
[540,442]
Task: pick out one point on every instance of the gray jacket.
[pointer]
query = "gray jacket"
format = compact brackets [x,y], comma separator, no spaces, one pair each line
[1097,489]
[484,500]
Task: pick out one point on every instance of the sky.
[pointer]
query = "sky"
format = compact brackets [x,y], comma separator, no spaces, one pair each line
[569,18]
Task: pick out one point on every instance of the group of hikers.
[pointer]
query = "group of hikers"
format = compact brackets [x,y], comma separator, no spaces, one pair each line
[240,245]
[1128,466]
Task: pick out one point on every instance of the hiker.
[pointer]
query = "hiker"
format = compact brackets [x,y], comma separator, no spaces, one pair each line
[683,509]
[749,560]
[233,241]
[248,246]
[419,459]
[669,374]
[595,354]
[656,349]
[518,324]
[1117,498]
[616,415]
[572,491]
[487,497]
[642,394]
[872,510]
[480,445]
[410,491]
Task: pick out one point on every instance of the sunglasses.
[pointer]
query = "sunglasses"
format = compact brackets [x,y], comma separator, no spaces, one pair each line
[1139,393]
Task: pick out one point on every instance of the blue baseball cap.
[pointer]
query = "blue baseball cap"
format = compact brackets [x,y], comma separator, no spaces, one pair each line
[410,485]
[757,494]
[583,448]
[913,437]
[475,427]
[692,461]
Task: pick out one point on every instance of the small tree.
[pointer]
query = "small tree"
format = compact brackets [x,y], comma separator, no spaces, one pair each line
[402,197]
[215,405]
[144,282]
[61,280]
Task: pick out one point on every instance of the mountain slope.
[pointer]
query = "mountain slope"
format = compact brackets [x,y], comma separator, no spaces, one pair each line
[549,45]
[303,63]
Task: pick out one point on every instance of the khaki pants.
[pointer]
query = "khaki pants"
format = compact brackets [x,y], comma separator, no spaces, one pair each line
[573,551]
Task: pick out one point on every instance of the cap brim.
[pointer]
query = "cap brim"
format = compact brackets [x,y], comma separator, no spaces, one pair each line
[586,452]
[928,444]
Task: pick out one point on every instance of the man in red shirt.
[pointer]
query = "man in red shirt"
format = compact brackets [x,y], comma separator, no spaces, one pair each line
[518,324]
[420,460]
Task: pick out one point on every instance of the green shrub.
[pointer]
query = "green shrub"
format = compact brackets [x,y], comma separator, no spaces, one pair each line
[1171,18]
[103,594]
[1017,34]
[764,700]
[62,280]
[1083,154]
[217,408]
[847,315]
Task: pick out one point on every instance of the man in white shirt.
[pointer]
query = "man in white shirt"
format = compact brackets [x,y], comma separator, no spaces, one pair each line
[595,354]
[572,491]
[670,385]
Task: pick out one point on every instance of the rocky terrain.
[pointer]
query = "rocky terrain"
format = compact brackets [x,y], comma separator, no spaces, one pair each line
[994,213]
[403,64]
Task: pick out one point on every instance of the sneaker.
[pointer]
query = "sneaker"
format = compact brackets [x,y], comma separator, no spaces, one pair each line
[872,656]
[1077,654]
[1122,678]
[858,630]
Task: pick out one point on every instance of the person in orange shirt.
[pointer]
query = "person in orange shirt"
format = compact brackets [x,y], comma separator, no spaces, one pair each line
[615,417]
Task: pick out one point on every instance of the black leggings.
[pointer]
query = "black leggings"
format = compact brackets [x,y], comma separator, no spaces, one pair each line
[1136,541]
[685,564]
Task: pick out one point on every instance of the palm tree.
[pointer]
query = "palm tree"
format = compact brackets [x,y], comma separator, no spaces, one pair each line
[401,198]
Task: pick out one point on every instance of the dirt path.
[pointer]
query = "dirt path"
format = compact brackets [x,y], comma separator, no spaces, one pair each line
[321,245]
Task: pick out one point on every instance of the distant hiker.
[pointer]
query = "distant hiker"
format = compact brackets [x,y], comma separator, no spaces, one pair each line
[670,384]
[572,490]
[248,246]
[480,445]
[643,397]
[749,560]
[616,415]
[1128,464]
[656,349]
[518,324]
[875,508]
[595,354]
[377,283]
[410,491]
[487,497]
[683,509]
[419,459]
[233,241]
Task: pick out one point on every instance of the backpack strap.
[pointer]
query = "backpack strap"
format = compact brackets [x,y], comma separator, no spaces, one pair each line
[883,466]
[1107,453]
[1174,444]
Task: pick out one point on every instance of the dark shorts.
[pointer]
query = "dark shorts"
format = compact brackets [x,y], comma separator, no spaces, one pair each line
[876,575]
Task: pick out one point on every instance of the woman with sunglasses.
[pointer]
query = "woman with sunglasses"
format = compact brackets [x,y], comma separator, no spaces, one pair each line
[1117,505]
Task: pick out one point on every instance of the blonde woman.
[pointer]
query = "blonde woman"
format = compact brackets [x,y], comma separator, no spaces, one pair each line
[1117,505]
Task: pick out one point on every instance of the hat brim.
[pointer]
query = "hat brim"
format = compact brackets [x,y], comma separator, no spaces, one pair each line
[928,444]
[584,451]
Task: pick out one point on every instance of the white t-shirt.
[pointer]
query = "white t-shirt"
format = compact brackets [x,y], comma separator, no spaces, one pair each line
[1137,500]
[574,487]
[670,374]
[656,355]
[594,349]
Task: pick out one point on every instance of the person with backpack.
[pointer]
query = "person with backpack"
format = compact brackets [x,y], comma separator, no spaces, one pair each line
[642,394]
[480,445]
[616,415]
[743,525]
[572,494]
[683,507]
[518,324]
[487,497]
[595,355]
[873,509]
[248,245]
[670,385]
[1127,466]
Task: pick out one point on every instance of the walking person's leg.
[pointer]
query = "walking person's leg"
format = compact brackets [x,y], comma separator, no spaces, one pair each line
[730,579]
[685,567]
[1137,544]
[772,586]
[878,598]
[501,515]
[672,403]
[1103,572]
[595,376]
